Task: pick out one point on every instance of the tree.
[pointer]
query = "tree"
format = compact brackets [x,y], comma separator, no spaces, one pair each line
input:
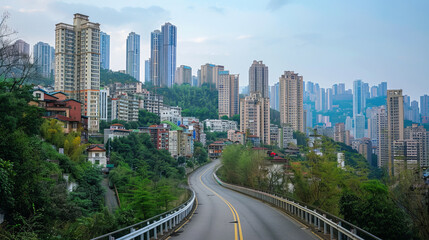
[224,117]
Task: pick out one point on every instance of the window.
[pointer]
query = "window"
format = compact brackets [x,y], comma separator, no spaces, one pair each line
[97,162]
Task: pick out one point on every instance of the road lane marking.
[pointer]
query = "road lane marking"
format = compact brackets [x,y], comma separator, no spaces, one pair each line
[233,211]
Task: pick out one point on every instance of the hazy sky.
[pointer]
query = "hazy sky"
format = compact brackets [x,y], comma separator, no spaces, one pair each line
[324,41]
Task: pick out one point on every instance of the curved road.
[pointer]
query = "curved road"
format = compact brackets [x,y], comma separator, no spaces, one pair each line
[224,214]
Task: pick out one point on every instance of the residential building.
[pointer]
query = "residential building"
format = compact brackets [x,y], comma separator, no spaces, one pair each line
[359,126]
[395,122]
[275,135]
[156,48]
[159,135]
[291,100]
[328,99]
[150,101]
[168,58]
[215,149]
[123,107]
[133,55]
[236,136]
[44,59]
[115,131]
[21,47]
[147,65]
[171,114]
[77,65]
[255,116]
[104,103]
[415,112]
[405,155]
[288,136]
[258,78]
[421,136]
[424,106]
[359,102]
[97,155]
[382,138]
[228,98]
[118,88]
[220,125]
[181,144]
[340,132]
[374,91]
[275,97]
[364,147]
[210,74]
[183,75]
[104,50]
[382,89]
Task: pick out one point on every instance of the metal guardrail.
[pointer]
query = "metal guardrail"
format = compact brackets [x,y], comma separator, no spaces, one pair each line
[320,221]
[160,224]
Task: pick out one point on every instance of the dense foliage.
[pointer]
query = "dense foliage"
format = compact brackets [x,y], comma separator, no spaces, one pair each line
[108,76]
[274,117]
[318,181]
[200,102]
[148,180]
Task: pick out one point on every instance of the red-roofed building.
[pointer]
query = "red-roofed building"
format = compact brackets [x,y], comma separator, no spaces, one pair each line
[97,155]
[115,130]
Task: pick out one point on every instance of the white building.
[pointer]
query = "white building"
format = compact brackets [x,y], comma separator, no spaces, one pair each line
[219,125]
[97,155]
[172,114]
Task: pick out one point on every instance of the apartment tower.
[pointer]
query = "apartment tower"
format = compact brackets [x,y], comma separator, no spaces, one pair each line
[228,94]
[258,78]
[104,50]
[43,59]
[291,100]
[255,116]
[133,55]
[77,64]
[395,122]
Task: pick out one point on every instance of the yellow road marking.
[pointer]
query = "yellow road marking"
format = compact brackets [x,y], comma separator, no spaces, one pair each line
[233,211]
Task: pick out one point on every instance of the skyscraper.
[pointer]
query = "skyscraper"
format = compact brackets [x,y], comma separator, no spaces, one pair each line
[415,113]
[291,100]
[44,59]
[210,74]
[382,138]
[424,106]
[365,90]
[274,96]
[255,116]
[183,75]
[228,98]
[147,64]
[359,126]
[395,122]
[258,78]
[358,98]
[77,64]
[341,88]
[382,89]
[156,43]
[329,100]
[104,50]
[133,55]
[21,47]
[168,59]
[374,91]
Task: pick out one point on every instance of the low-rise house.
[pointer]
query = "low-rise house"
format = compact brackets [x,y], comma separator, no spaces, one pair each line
[220,125]
[215,149]
[236,136]
[115,130]
[97,155]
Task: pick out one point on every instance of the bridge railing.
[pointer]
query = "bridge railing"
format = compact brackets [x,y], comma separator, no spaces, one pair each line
[154,227]
[328,224]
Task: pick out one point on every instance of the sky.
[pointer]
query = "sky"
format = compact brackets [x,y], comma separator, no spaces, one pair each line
[324,41]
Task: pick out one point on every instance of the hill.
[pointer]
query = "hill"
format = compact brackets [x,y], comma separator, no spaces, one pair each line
[108,77]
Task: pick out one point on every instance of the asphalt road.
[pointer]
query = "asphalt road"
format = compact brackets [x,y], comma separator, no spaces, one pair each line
[225,214]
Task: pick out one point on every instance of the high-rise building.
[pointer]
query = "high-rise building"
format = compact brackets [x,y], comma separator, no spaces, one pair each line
[365,90]
[341,88]
[147,64]
[255,116]
[77,65]
[210,74]
[407,107]
[291,100]
[156,44]
[328,99]
[419,134]
[228,97]
[374,91]
[104,50]
[274,97]
[358,98]
[395,122]
[322,101]
[335,89]
[359,126]
[349,123]
[382,138]
[194,81]
[317,98]
[168,58]
[382,89]
[21,48]
[340,132]
[258,78]
[424,106]
[308,117]
[133,55]
[44,59]
[104,100]
[415,113]
[183,75]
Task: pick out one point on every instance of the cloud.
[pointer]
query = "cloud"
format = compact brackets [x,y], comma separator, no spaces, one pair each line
[274,5]
[241,37]
[217,9]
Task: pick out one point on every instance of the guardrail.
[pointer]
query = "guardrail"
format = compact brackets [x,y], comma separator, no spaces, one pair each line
[160,224]
[332,226]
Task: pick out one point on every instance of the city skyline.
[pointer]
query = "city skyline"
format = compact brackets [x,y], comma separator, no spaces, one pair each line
[354,48]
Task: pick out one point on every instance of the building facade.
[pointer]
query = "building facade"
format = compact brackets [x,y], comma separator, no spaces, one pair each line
[44,59]
[104,50]
[183,75]
[77,64]
[395,122]
[258,78]
[168,59]
[255,116]
[133,55]
[291,100]
[228,97]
